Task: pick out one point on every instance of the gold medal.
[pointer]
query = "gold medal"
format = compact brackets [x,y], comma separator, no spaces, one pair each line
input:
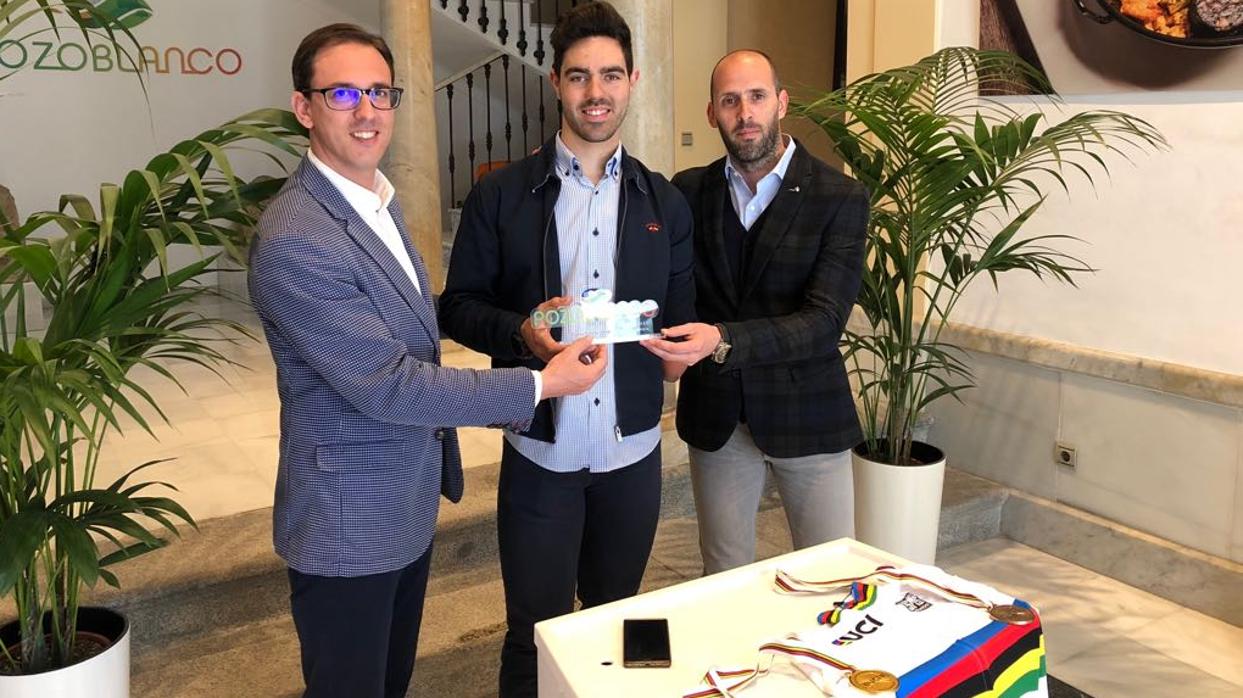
[1014,615]
[873,681]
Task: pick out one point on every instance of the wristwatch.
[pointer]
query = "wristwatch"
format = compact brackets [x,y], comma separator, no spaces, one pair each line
[721,353]
[520,348]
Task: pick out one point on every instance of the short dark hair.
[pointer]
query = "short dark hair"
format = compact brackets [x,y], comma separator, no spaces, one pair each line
[327,37]
[585,21]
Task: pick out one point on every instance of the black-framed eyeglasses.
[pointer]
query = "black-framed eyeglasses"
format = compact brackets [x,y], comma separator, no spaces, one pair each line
[344,98]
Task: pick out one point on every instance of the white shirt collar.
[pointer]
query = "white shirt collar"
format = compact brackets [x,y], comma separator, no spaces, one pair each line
[368,202]
[779,169]
[568,163]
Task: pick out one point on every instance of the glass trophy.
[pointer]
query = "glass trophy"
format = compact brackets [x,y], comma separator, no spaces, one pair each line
[597,315]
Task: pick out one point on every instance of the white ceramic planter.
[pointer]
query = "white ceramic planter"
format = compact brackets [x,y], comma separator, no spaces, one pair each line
[898,507]
[106,675]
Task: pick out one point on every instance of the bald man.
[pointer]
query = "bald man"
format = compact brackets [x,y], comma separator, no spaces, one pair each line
[779,239]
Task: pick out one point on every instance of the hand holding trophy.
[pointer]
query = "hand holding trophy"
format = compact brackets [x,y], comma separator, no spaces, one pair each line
[597,315]
[539,338]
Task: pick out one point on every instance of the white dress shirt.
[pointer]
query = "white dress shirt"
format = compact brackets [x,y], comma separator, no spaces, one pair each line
[372,206]
[748,206]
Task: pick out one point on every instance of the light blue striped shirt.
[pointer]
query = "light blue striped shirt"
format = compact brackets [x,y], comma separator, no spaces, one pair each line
[748,206]
[586,425]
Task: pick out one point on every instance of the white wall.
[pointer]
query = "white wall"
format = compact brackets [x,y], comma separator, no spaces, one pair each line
[67,131]
[1161,463]
[1163,233]
[699,41]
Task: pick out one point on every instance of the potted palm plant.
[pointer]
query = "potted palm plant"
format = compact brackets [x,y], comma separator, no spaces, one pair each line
[21,21]
[954,176]
[118,302]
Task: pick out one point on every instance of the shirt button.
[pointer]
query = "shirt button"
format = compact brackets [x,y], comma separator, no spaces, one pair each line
[596,233]
[597,401]
[595,275]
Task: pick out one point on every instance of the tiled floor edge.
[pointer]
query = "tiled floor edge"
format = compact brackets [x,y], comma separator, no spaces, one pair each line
[1191,578]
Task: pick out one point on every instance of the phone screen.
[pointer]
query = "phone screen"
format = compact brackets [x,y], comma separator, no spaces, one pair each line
[645,643]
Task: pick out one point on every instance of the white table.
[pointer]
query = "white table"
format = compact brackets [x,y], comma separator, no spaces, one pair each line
[718,621]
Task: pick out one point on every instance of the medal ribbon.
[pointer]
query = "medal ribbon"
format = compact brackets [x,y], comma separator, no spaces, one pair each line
[860,597]
[862,593]
[721,682]
[789,584]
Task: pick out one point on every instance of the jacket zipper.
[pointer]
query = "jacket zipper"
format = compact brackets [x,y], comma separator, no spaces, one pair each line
[621,228]
[555,403]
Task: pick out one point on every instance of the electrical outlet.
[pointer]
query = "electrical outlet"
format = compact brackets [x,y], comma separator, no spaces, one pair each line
[688,138]
[1065,455]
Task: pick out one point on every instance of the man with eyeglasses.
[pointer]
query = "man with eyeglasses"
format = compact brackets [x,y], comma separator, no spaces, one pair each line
[366,445]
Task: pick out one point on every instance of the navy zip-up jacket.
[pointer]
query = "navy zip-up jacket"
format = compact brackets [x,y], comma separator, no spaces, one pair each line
[506,261]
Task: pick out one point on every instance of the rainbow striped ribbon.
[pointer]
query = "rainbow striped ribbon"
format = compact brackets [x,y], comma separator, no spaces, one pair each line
[859,597]
[789,584]
[722,682]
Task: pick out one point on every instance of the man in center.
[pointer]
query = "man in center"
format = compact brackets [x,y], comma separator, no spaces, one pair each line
[779,243]
[579,492]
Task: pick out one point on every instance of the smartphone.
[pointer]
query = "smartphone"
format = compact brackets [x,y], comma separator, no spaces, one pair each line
[645,642]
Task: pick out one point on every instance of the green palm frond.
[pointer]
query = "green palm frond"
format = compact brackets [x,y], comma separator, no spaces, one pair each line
[954,179]
[118,301]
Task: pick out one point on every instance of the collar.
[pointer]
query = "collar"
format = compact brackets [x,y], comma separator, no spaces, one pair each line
[783,164]
[360,197]
[545,167]
[568,164]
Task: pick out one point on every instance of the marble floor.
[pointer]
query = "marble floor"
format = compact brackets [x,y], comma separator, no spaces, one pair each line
[1104,637]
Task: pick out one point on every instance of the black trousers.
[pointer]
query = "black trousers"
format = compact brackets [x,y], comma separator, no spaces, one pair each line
[562,532]
[359,634]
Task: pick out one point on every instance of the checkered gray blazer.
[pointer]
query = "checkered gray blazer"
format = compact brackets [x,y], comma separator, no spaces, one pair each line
[366,446]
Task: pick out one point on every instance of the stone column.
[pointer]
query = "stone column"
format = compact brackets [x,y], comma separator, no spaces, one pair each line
[648,130]
[413,161]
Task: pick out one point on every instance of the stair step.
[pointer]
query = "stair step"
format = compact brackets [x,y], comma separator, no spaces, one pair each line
[459,643]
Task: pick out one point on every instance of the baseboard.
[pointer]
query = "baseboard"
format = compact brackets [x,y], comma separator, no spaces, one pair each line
[1190,578]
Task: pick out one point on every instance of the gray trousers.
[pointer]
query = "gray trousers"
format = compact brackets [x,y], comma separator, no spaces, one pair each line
[817,493]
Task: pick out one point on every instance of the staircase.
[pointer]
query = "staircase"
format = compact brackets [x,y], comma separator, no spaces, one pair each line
[493,102]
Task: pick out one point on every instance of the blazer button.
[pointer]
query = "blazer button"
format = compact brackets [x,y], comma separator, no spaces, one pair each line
[439,434]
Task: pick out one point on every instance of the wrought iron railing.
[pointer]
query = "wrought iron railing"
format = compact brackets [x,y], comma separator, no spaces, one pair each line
[499,109]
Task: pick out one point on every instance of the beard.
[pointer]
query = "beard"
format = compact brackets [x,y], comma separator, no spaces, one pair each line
[749,155]
[595,132]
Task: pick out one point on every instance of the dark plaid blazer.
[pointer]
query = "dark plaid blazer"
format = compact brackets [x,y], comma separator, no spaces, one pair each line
[784,316]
